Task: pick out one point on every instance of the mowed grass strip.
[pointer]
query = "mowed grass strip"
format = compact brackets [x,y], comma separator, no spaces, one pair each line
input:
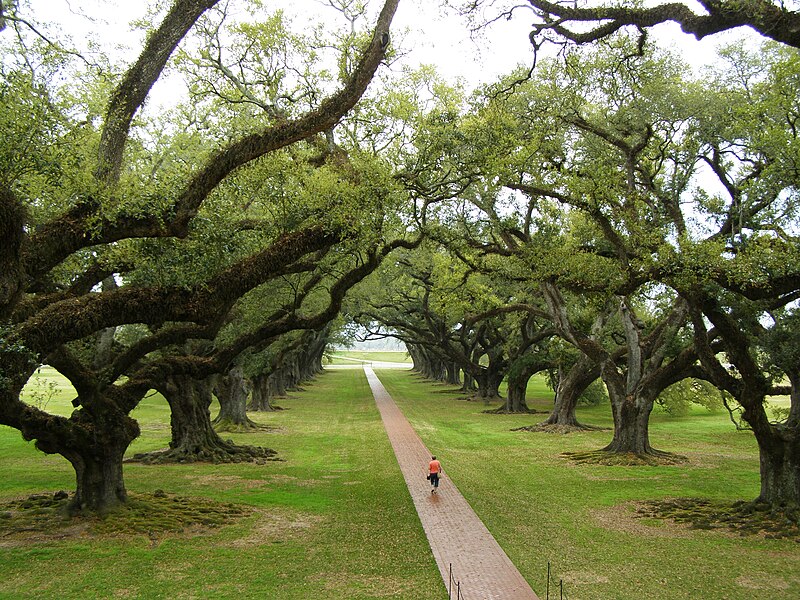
[332,519]
[580,518]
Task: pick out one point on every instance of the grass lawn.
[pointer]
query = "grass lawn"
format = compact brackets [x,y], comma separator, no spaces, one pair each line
[333,519]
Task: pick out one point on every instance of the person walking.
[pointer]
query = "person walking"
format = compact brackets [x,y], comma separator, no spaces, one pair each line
[434,470]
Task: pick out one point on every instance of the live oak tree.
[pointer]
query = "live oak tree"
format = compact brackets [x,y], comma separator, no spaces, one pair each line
[724,242]
[742,280]
[754,161]
[90,184]
[600,142]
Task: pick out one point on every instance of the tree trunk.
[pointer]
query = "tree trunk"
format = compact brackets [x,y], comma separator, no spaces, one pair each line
[468,387]
[193,437]
[277,384]
[522,368]
[569,390]
[97,457]
[516,398]
[453,373]
[261,399]
[631,419]
[98,472]
[232,394]
[778,450]
[190,418]
[488,385]
[794,405]
[780,468]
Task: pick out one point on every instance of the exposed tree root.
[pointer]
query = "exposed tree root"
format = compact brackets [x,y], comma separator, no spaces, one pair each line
[562,429]
[228,452]
[272,408]
[40,517]
[231,426]
[501,410]
[745,518]
[653,458]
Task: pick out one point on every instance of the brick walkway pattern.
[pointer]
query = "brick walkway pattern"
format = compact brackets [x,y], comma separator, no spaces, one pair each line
[456,535]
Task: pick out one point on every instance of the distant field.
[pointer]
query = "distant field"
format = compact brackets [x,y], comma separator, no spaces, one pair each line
[343,357]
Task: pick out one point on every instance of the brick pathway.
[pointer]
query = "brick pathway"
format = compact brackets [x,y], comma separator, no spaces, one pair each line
[456,534]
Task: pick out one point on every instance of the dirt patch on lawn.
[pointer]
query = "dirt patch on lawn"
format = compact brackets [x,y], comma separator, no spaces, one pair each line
[763,581]
[227,481]
[583,578]
[625,518]
[356,585]
[43,518]
[277,526]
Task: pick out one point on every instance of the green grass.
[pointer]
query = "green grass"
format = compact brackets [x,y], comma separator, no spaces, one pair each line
[332,519]
[542,508]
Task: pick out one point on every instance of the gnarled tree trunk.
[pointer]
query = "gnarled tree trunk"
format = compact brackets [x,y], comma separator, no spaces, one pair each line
[96,453]
[516,401]
[779,460]
[568,392]
[98,474]
[261,398]
[453,376]
[193,437]
[231,391]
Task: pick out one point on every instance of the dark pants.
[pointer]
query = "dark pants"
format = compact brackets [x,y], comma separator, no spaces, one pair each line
[435,479]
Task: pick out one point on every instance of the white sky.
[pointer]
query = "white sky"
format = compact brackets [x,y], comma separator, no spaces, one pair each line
[433,37]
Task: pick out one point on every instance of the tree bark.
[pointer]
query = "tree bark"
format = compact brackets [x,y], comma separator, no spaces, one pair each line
[453,376]
[100,484]
[193,437]
[488,384]
[569,390]
[516,401]
[96,453]
[232,393]
[519,374]
[631,424]
[261,398]
[469,386]
[780,469]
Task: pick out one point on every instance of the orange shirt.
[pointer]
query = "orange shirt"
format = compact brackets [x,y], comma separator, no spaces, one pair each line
[435,466]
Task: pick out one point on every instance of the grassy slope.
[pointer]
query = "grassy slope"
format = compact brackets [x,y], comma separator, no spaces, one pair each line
[542,508]
[334,520]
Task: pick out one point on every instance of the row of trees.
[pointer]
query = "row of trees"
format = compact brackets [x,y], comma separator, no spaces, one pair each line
[166,251]
[602,215]
[645,218]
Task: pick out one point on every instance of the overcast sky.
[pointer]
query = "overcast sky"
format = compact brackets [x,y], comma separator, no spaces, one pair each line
[432,37]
